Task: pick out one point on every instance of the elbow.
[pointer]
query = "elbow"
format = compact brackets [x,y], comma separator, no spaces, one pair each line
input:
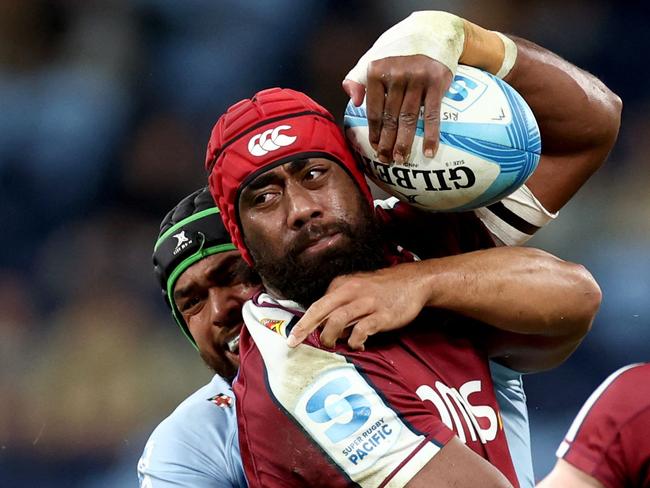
[602,127]
[614,110]
[606,126]
[589,297]
[593,295]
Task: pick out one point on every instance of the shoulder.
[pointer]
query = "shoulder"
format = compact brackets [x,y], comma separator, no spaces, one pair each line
[430,234]
[618,399]
[605,434]
[209,411]
[199,438]
[511,221]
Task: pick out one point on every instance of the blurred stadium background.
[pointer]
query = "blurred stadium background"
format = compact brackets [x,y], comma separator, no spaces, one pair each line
[105,111]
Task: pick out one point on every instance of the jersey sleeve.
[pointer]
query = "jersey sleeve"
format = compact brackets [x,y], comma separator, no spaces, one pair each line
[515,219]
[196,449]
[510,222]
[608,439]
[511,397]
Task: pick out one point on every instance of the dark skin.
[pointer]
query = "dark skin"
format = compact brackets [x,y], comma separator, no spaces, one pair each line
[210,295]
[282,205]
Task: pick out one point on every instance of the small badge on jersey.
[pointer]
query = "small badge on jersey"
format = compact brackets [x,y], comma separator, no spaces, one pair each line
[221,400]
[273,324]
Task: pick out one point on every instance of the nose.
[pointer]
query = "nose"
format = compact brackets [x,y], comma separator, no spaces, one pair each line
[302,206]
[225,306]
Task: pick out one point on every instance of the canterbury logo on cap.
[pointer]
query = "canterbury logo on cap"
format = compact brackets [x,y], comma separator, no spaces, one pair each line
[270,140]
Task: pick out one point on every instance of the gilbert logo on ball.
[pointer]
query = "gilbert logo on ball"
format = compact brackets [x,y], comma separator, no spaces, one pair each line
[489,145]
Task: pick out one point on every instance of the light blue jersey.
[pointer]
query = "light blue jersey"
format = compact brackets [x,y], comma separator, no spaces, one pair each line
[509,389]
[196,446]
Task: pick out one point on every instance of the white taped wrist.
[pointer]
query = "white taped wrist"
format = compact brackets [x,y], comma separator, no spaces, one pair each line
[510,56]
[438,35]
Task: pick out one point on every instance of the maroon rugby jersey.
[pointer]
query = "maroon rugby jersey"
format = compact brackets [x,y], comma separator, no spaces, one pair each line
[309,417]
[610,438]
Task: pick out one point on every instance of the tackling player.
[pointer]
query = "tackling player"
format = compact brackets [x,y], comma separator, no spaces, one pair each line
[608,444]
[198,267]
[289,214]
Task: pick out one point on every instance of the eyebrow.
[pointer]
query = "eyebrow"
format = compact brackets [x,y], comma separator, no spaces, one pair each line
[223,266]
[262,180]
[183,292]
[271,177]
[297,165]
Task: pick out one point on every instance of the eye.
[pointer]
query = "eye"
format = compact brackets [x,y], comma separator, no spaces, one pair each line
[189,304]
[262,198]
[314,173]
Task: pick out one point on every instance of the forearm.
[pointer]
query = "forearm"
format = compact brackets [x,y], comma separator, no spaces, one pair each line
[520,290]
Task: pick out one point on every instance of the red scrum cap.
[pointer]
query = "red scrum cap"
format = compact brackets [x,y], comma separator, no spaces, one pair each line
[274,127]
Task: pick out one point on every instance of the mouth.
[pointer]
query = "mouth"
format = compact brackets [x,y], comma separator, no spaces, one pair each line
[233,344]
[322,243]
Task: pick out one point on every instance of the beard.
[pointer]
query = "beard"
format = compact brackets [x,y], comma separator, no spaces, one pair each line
[305,279]
[222,366]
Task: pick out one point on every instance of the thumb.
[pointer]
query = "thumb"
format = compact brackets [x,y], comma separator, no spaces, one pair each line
[356,91]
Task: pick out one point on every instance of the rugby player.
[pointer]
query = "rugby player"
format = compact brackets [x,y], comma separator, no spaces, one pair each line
[301,214]
[608,444]
[205,283]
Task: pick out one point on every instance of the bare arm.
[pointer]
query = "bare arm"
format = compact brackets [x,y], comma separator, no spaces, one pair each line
[457,466]
[563,474]
[578,117]
[540,306]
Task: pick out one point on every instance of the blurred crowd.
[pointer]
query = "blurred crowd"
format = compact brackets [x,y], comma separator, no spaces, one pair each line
[105,111]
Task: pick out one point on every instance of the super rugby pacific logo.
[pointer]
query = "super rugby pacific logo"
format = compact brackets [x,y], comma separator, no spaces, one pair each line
[334,402]
[270,140]
[348,419]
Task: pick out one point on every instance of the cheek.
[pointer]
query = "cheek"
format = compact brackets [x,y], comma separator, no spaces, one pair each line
[199,326]
[262,237]
[246,292]
[346,204]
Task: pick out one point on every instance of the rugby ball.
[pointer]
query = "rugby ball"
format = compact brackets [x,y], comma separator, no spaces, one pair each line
[489,145]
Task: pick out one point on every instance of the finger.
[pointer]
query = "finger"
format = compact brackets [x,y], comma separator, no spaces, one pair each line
[407,122]
[356,91]
[314,317]
[375,98]
[389,120]
[431,116]
[340,319]
[360,71]
[361,331]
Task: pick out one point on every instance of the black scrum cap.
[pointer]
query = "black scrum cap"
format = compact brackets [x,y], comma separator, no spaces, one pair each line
[191,231]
